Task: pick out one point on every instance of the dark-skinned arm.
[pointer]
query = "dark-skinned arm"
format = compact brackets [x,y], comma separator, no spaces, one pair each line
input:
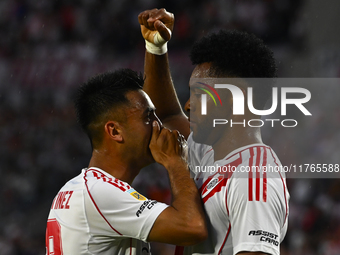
[158,82]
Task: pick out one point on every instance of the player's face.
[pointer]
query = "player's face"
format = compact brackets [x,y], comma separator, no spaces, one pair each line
[202,125]
[138,128]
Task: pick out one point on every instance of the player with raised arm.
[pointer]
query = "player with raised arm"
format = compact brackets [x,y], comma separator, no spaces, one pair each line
[247,211]
[98,211]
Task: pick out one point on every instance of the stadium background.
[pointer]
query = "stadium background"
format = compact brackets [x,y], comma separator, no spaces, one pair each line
[49,47]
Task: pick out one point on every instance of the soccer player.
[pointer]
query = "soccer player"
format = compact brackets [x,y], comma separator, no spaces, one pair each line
[98,211]
[247,211]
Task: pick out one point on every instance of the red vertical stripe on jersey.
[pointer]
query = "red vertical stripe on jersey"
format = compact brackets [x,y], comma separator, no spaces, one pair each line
[264,175]
[258,158]
[179,250]
[225,239]
[130,246]
[250,179]
[259,167]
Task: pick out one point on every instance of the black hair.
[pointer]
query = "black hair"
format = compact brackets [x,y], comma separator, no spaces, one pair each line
[237,54]
[101,94]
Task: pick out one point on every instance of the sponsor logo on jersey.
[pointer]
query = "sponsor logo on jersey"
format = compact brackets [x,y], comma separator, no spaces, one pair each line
[146,204]
[265,236]
[135,194]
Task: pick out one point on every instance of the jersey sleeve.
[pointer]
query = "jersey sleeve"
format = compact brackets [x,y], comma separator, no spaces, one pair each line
[257,218]
[124,210]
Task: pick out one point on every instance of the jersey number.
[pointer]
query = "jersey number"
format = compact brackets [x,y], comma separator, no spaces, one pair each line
[53,238]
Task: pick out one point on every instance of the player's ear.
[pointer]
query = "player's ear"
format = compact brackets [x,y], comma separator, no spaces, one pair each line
[114,131]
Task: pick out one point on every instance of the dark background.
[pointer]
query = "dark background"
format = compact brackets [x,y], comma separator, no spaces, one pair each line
[49,47]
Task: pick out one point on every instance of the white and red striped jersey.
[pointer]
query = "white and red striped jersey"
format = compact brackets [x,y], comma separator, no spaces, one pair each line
[95,213]
[245,200]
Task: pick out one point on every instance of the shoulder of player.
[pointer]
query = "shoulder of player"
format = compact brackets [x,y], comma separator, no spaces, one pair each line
[256,157]
[99,184]
[74,183]
[254,162]
[97,177]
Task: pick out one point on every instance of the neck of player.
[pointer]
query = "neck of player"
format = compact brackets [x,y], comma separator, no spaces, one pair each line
[119,166]
[235,138]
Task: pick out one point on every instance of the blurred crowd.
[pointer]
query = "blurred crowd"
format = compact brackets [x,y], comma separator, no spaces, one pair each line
[49,47]
[38,28]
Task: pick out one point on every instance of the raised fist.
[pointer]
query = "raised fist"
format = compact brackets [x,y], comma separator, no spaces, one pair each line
[156,20]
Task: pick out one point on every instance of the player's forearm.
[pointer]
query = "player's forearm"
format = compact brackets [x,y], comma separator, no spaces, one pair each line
[182,223]
[159,86]
[186,198]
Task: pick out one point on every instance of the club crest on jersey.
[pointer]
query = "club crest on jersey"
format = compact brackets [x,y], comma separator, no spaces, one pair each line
[211,184]
[135,194]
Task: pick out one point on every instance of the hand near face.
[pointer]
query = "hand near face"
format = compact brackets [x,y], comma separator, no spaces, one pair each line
[156,20]
[167,147]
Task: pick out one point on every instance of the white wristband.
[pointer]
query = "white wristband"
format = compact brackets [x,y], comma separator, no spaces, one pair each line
[159,47]
[156,50]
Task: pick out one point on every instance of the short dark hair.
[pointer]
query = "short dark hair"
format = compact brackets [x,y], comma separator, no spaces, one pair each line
[237,54]
[101,94]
